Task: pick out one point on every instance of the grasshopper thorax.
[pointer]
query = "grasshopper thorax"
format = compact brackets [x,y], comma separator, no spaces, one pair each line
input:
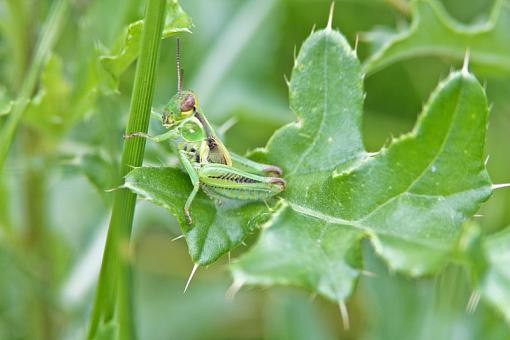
[181,106]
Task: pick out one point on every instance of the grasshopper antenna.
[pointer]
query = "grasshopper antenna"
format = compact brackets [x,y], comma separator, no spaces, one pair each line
[179,70]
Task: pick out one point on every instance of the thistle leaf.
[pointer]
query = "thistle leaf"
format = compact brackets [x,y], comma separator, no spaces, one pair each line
[409,200]
[434,32]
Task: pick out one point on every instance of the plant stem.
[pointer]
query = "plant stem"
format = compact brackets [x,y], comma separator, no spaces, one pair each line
[26,69]
[51,30]
[20,38]
[113,295]
[37,235]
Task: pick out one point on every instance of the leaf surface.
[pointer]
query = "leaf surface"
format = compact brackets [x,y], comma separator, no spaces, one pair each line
[216,228]
[409,200]
[434,32]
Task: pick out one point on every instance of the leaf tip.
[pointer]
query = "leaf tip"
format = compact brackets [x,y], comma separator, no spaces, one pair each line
[234,289]
[177,238]
[473,302]
[114,189]
[190,277]
[344,314]
[286,79]
[356,42]
[500,186]
[330,18]
[465,65]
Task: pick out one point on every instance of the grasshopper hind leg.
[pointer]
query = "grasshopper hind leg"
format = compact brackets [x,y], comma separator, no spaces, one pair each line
[220,180]
[248,165]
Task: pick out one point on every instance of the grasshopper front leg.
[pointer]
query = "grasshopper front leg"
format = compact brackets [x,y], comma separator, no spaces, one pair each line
[170,134]
[248,165]
[194,180]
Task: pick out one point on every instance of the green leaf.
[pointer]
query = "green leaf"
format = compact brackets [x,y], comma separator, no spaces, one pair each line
[128,47]
[434,32]
[409,200]
[50,109]
[487,259]
[494,285]
[216,228]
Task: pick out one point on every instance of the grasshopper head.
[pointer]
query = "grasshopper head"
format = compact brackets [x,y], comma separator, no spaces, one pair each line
[179,107]
[183,104]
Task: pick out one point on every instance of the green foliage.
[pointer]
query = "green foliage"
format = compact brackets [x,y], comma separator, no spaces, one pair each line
[216,229]
[487,259]
[67,71]
[112,304]
[48,111]
[409,199]
[434,32]
[54,23]
[127,48]
[11,311]
[495,281]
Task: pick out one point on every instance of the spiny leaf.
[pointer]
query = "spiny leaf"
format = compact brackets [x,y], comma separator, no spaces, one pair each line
[434,32]
[409,200]
[216,228]
[127,50]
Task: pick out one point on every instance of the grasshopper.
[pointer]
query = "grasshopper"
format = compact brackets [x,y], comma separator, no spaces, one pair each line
[221,174]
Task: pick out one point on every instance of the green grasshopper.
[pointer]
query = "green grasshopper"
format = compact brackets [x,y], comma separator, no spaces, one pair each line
[210,166]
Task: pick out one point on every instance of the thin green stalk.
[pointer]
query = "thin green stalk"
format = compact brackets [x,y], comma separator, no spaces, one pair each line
[113,295]
[25,74]
[37,238]
[19,29]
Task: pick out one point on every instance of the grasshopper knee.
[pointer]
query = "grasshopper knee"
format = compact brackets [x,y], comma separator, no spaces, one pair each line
[273,169]
[188,216]
[279,183]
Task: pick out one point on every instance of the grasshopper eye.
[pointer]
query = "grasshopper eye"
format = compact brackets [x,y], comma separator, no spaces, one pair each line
[188,103]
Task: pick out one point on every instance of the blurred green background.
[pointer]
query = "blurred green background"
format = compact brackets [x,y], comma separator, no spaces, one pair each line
[54,208]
